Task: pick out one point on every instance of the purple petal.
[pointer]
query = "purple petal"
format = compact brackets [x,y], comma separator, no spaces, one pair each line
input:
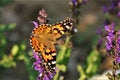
[118,14]
[35,23]
[118,59]
[105,9]
[110,28]
[99,31]
[109,39]
[39,76]
[119,4]
[46,77]
[108,46]
[118,32]
[112,6]
[43,13]
[50,75]
[74,2]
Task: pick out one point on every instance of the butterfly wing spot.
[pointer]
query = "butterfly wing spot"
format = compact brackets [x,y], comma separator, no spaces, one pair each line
[67,27]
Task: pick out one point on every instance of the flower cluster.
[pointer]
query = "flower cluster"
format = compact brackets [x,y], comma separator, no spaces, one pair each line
[114,8]
[112,37]
[42,18]
[113,40]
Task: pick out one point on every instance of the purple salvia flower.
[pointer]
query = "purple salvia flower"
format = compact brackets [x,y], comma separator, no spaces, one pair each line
[112,6]
[110,35]
[46,77]
[118,32]
[38,61]
[119,4]
[105,9]
[108,46]
[50,75]
[35,24]
[118,14]
[110,28]
[99,31]
[109,39]
[43,13]
[74,2]
[42,18]
[108,43]
[118,44]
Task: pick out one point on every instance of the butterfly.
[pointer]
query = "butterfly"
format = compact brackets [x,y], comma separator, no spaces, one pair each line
[44,37]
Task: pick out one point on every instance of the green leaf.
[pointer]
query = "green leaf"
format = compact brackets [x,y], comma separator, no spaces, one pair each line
[11,26]
[6,27]
[7,62]
[3,41]
[2,27]
[22,46]
[14,50]
[21,57]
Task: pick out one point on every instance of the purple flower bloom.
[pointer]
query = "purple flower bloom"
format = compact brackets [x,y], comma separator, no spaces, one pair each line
[113,40]
[119,4]
[78,2]
[99,31]
[105,9]
[110,28]
[110,35]
[74,2]
[35,23]
[118,14]
[118,59]
[109,39]
[118,32]
[113,8]
[118,44]
[42,18]
[43,13]
[108,46]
